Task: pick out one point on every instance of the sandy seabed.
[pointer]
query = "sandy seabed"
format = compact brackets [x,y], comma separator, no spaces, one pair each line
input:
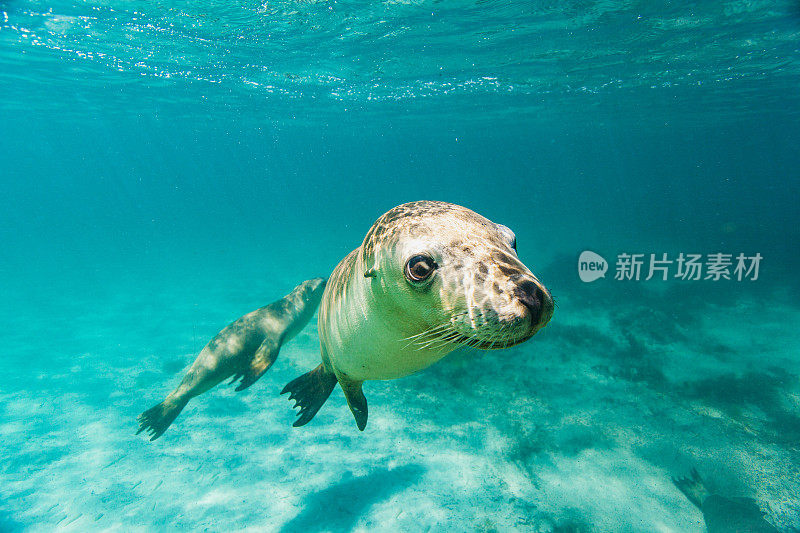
[580,429]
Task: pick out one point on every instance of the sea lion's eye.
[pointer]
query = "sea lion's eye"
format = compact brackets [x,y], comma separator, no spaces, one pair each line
[419,268]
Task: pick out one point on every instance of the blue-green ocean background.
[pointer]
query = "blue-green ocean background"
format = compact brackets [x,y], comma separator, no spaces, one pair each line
[167,166]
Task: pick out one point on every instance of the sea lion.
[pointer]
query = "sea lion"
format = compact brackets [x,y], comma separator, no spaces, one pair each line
[722,514]
[428,278]
[245,349]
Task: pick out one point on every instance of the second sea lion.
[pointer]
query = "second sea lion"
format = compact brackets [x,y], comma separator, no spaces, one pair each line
[244,350]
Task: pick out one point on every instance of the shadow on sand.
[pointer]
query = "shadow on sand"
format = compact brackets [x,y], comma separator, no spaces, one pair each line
[337,508]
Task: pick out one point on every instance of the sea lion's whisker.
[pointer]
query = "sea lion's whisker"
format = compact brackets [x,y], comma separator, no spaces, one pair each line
[425,332]
[431,329]
[448,340]
[426,335]
[434,328]
[442,341]
[438,345]
[425,343]
[424,340]
[432,336]
[503,336]
[468,342]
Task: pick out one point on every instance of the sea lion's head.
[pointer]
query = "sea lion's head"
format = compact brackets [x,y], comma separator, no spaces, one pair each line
[305,296]
[451,277]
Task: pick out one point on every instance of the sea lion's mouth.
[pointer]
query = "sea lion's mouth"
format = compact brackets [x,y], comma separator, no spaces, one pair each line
[495,334]
[485,329]
[475,328]
[453,334]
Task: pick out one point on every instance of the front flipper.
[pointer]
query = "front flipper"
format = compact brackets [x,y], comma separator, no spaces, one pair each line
[310,391]
[355,400]
[260,363]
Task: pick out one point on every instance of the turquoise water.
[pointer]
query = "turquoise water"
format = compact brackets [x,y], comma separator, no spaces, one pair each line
[168,167]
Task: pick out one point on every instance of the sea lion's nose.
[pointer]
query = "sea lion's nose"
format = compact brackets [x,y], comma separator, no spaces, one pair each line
[533,297]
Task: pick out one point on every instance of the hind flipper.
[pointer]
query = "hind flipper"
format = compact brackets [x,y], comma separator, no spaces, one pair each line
[356,401]
[157,419]
[310,391]
[261,362]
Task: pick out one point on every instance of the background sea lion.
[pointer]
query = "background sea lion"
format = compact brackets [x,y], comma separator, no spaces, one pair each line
[428,277]
[245,350]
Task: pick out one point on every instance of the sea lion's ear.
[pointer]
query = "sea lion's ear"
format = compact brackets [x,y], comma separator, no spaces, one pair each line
[369,262]
[355,400]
